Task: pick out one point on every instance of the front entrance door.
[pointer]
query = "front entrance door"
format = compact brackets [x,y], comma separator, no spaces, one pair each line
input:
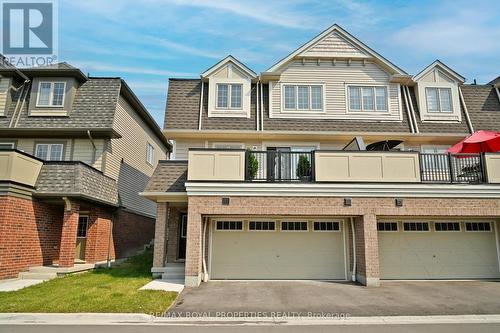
[81,237]
[182,236]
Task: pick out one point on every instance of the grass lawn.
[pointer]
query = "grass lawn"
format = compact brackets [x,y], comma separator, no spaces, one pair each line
[101,290]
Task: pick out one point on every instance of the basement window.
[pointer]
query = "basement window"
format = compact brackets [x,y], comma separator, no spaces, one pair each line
[293,226]
[326,226]
[416,226]
[387,226]
[478,226]
[261,226]
[229,225]
[446,226]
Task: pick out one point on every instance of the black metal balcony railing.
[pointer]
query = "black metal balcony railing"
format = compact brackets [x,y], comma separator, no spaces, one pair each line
[279,166]
[452,168]
[275,166]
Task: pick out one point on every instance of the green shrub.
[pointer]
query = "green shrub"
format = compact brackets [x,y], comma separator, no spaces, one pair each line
[253,165]
[303,167]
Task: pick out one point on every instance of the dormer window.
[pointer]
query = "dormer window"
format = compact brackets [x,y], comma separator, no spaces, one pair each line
[229,96]
[439,99]
[51,94]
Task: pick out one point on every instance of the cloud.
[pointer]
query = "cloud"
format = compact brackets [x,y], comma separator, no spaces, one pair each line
[106,67]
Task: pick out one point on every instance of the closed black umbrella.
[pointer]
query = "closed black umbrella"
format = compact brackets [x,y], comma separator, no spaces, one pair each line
[385,145]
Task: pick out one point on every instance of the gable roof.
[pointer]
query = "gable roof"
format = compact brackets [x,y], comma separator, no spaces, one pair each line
[439,64]
[53,70]
[344,35]
[495,81]
[226,60]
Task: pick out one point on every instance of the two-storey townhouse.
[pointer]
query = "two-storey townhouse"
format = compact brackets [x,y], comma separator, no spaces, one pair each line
[330,165]
[75,152]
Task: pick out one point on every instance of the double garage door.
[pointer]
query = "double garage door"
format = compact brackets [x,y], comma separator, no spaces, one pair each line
[277,249]
[438,250]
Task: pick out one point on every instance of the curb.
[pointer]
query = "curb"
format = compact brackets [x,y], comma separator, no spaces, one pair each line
[144,319]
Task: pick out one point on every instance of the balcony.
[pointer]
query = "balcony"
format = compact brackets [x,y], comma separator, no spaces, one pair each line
[18,167]
[323,166]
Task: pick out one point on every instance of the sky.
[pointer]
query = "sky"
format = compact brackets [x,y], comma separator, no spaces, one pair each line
[148,41]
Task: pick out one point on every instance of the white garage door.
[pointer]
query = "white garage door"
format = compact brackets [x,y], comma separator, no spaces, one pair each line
[256,249]
[437,250]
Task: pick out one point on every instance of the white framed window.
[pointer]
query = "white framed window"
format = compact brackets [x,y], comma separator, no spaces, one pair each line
[229,96]
[326,226]
[261,226]
[387,226]
[447,226]
[367,99]
[294,226]
[415,226]
[51,94]
[229,226]
[302,97]
[49,151]
[150,153]
[477,226]
[7,145]
[439,100]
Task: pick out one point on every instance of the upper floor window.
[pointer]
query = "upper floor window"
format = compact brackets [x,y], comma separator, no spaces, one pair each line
[51,94]
[229,96]
[150,154]
[303,97]
[49,151]
[438,99]
[367,99]
[7,145]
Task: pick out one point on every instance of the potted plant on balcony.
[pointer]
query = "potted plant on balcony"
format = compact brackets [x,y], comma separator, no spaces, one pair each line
[253,165]
[304,169]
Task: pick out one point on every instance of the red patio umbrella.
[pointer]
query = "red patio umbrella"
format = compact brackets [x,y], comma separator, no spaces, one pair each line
[478,142]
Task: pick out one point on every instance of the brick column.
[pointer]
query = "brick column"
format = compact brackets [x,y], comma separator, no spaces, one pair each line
[193,248]
[160,243]
[68,236]
[367,271]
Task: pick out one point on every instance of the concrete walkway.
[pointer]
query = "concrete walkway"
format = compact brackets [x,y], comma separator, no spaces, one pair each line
[165,285]
[17,284]
[310,298]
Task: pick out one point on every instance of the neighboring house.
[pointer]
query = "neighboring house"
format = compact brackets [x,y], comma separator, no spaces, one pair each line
[270,179]
[75,151]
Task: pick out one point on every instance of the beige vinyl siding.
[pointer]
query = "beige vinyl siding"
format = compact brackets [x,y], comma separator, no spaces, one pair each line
[83,151]
[182,147]
[4,89]
[134,172]
[28,145]
[335,78]
[334,45]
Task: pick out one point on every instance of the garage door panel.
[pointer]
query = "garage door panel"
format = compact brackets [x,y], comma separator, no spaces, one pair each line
[438,255]
[277,255]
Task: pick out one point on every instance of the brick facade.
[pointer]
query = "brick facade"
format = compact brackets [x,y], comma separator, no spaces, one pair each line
[30,234]
[365,211]
[167,233]
[131,232]
[100,242]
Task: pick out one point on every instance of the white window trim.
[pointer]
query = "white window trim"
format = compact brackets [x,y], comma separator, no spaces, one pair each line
[375,111]
[243,112]
[12,144]
[439,112]
[262,220]
[429,229]
[452,117]
[399,228]
[296,231]
[51,96]
[303,111]
[333,221]
[148,146]
[445,231]
[229,97]
[49,150]
[229,220]
[479,231]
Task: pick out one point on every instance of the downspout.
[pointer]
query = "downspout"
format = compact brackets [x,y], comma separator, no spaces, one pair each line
[410,119]
[257,105]
[205,273]
[353,277]
[94,148]
[21,97]
[261,106]
[412,110]
[201,104]
[498,92]
[467,118]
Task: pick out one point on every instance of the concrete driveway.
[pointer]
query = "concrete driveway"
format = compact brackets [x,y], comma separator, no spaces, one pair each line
[301,298]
